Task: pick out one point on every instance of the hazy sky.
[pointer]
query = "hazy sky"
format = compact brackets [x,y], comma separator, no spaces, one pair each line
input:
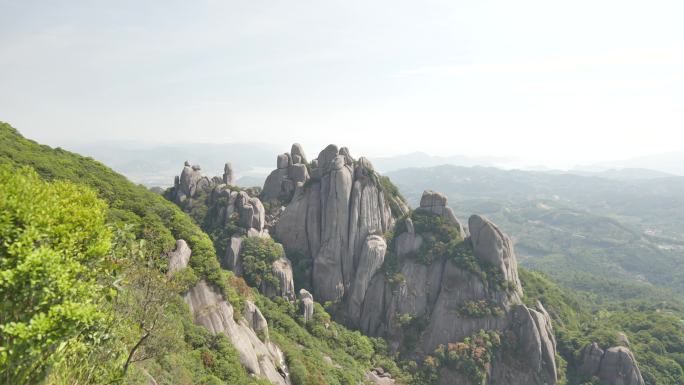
[548,81]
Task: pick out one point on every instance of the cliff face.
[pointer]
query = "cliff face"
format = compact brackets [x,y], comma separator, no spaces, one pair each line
[341,215]
[439,291]
[247,332]
[231,207]
[332,216]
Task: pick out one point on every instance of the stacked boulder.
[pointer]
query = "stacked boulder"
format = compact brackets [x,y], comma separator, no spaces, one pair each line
[248,333]
[339,218]
[336,217]
[235,207]
[613,366]
[436,203]
[292,168]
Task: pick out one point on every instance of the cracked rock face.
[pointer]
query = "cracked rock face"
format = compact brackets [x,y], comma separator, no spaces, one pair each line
[251,218]
[330,217]
[306,303]
[258,355]
[614,366]
[338,219]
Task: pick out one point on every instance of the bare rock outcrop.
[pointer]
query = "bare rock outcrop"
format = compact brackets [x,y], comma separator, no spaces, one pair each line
[614,366]
[338,219]
[228,175]
[291,168]
[436,203]
[282,269]
[379,377]
[234,207]
[437,292]
[179,258]
[247,333]
[306,304]
[330,216]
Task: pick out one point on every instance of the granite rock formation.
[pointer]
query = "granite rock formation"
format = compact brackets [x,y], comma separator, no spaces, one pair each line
[331,215]
[306,303]
[340,217]
[248,333]
[233,208]
[614,366]
[291,169]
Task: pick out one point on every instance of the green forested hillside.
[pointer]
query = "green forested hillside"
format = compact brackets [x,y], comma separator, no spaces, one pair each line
[141,226]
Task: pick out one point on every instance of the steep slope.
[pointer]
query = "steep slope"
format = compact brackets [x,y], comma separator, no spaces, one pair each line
[340,215]
[316,350]
[438,292]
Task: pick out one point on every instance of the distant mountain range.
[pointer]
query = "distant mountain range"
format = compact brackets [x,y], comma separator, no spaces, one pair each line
[156,165]
[422,159]
[671,163]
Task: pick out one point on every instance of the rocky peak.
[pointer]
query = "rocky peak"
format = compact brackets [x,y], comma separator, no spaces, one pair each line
[339,218]
[228,176]
[233,207]
[436,203]
[291,170]
[495,248]
[331,216]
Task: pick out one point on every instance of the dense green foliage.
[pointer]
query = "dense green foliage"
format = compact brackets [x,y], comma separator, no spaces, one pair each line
[53,252]
[471,356]
[258,255]
[178,357]
[480,309]
[656,333]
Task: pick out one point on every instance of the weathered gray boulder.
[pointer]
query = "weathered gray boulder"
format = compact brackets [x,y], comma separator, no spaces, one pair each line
[297,153]
[291,226]
[251,210]
[179,258]
[255,320]
[187,183]
[614,366]
[619,367]
[228,176]
[436,203]
[591,359]
[282,269]
[491,245]
[291,169]
[298,173]
[232,260]
[211,310]
[283,160]
[370,259]
[306,304]
[379,378]
[326,156]
[273,187]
